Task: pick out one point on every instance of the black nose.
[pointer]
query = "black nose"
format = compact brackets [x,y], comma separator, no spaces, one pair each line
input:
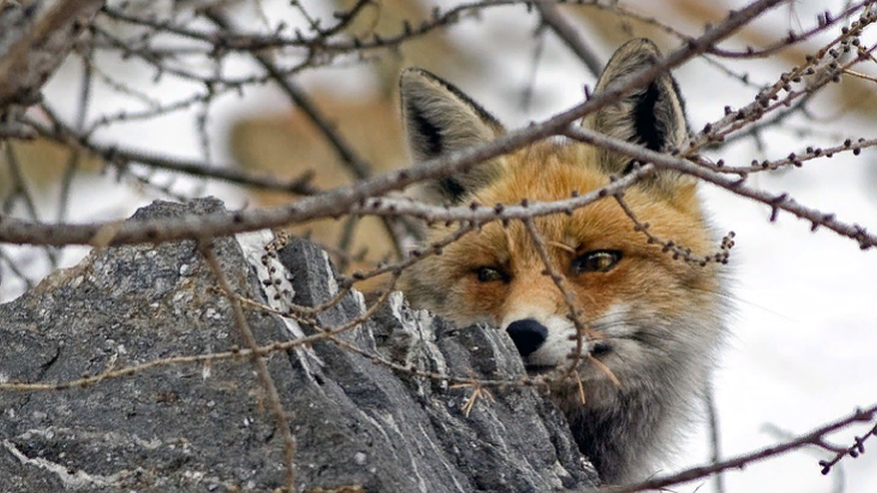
[528,335]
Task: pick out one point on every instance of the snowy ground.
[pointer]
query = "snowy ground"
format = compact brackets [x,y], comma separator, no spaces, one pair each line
[804,338]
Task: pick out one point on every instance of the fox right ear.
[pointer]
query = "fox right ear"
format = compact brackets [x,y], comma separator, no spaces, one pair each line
[652,116]
[439,119]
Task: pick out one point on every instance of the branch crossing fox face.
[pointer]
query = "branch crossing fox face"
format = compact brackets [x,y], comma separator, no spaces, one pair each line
[659,320]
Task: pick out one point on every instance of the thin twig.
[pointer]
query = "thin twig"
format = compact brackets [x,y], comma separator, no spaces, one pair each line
[20,189]
[243,327]
[742,461]
[715,438]
[554,19]
[583,332]
[119,156]
[13,267]
[358,166]
[75,158]
[342,200]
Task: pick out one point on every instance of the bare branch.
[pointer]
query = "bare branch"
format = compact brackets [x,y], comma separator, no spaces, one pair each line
[121,157]
[739,462]
[554,18]
[261,367]
[34,40]
[203,57]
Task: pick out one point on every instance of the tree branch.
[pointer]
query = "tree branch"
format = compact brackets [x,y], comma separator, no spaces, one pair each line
[739,462]
[35,39]
[555,20]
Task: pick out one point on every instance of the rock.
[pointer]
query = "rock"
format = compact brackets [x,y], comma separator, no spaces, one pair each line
[208,426]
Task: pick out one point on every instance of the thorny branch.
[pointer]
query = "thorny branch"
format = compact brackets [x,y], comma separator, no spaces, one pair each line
[282,54]
[265,379]
[359,167]
[122,157]
[554,18]
[583,332]
[853,450]
[343,199]
[353,199]
[677,251]
[815,437]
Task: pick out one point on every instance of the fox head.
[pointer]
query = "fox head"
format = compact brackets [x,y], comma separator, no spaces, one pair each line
[659,320]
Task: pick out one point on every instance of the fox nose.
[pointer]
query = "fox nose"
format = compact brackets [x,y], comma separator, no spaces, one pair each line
[527,335]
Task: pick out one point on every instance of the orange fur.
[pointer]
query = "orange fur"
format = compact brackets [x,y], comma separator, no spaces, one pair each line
[543,173]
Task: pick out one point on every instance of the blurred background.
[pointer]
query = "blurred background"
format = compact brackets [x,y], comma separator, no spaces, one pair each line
[804,331]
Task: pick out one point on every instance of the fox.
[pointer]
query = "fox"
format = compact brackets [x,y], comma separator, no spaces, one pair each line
[659,321]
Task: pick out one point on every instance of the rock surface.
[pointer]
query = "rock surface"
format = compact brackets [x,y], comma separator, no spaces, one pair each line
[208,427]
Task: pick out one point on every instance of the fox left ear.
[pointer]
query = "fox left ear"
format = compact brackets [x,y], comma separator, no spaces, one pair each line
[652,116]
[439,119]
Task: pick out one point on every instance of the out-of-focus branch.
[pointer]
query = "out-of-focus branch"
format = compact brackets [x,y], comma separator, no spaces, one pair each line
[342,200]
[22,191]
[120,157]
[715,438]
[358,166]
[35,39]
[355,199]
[554,19]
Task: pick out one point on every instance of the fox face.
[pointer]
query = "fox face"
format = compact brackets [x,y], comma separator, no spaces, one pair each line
[658,320]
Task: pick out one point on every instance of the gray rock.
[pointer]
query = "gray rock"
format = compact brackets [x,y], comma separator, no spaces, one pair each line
[197,427]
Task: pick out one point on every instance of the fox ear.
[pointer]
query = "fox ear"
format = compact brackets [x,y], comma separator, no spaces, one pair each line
[652,116]
[440,119]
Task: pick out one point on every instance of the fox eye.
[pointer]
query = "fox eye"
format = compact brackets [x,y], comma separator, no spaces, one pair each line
[596,261]
[489,274]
